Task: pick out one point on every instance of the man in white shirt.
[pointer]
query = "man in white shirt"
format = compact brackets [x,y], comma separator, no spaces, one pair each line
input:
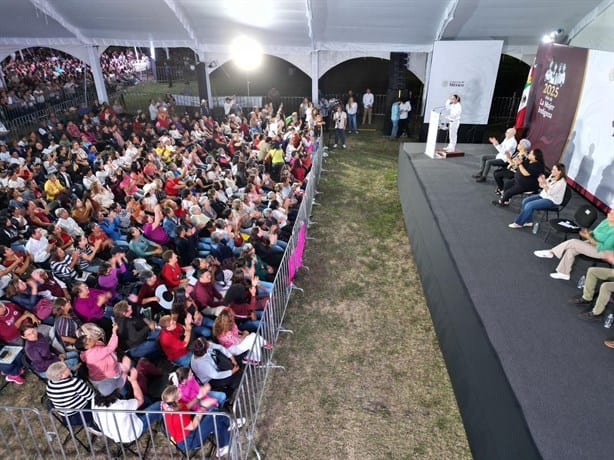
[38,246]
[367,104]
[404,110]
[505,150]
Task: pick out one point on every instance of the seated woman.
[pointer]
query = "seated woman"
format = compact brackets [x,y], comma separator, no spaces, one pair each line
[226,332]
[553,191]
[525,178]
[138,336]
[502,174]
[192,391]
[191,433]
[66,322]
[38,350]
[105,372]
[175,338]
[69,394]
[595,245]
[121,426]
[208,369]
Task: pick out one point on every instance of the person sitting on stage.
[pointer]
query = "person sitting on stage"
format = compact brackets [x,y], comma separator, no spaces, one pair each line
[594,245]
[505,150]
[595,275]
[525,178]
[553,191]
[507,172]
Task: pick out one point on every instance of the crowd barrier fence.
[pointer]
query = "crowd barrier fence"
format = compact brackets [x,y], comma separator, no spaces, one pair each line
[38,434]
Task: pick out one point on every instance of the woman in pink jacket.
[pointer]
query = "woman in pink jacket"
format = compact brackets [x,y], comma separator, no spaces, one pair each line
[106,373]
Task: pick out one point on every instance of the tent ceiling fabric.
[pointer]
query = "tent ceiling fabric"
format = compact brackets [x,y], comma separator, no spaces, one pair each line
[361,25]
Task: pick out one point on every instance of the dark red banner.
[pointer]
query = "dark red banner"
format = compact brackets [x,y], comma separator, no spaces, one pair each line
[556,89]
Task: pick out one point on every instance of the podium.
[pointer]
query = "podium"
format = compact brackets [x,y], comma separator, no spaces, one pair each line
[431,136]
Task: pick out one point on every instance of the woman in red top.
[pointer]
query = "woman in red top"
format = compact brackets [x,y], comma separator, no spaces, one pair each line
[190,433]
[174,339]
[171,273]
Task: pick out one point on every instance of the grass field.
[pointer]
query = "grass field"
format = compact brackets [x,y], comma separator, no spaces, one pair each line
[364,378]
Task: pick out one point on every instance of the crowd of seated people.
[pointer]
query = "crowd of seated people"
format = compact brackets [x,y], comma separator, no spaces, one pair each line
[134,249]
[38,77]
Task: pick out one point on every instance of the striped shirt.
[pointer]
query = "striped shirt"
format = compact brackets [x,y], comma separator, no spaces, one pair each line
[69,395]
[62,268]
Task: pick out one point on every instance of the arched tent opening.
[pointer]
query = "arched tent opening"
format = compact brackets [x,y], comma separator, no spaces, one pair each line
[40,79]
[274,72]
[511,78]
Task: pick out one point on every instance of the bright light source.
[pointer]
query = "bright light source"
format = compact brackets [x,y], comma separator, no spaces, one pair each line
[246,52]
[548,38]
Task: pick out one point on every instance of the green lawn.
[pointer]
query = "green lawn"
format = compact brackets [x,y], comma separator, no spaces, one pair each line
[364,378]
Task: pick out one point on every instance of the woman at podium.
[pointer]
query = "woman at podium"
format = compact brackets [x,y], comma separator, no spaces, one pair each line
[454,108]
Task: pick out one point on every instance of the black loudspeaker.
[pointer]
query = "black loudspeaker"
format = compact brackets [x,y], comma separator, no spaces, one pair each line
[397,71]
[201,77]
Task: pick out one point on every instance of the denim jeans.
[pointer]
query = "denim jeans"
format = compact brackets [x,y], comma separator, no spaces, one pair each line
[352,126]
[208,424]
[530,204]
[339,136]
[184,360]
[149,348]
[148,418]
[395,128]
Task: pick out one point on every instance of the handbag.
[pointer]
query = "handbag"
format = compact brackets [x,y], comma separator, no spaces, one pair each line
[43,308]
[222,362]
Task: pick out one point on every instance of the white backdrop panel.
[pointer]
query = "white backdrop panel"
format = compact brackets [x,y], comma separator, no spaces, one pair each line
[466,68]
[589,154]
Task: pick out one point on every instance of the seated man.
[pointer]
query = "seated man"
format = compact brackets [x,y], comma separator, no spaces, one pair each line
[505,150]
[595,245]
[593,276]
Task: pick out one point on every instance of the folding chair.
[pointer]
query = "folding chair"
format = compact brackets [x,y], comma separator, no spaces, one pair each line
[72,430]
[584,217]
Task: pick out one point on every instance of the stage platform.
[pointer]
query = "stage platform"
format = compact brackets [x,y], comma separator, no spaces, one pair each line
[532,379]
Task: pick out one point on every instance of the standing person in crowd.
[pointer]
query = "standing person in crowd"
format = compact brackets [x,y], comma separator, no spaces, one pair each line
[505,150]
[367,106]
[395,115]
[340,120]
[404,109]
[352,110]
[455,111]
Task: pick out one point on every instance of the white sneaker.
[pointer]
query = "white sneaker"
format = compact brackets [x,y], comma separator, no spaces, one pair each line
[324,154]
[344,146]
[559,276]
[237,423]
[222,451]
[545,254]
[335,146]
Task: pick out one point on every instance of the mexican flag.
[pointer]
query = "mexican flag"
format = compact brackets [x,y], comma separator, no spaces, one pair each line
[522,114]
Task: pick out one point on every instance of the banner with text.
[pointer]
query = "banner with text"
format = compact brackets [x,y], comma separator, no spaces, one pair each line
[557,83]
[466,68]
[589,153]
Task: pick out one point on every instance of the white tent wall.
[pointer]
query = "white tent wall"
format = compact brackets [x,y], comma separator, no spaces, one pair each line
[596,31]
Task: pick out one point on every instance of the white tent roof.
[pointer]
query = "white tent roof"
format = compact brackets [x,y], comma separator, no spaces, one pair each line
[290,25]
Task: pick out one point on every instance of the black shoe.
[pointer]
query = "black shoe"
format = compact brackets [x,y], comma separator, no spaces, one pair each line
[589,316]
[481,179]
[496,202]
[477,176]
[578,300]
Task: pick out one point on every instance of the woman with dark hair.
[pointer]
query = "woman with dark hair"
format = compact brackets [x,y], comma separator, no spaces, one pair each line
[525,178]
[553,191]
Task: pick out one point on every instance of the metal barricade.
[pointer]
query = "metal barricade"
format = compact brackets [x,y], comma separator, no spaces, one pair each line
[250,393]
[28,433]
